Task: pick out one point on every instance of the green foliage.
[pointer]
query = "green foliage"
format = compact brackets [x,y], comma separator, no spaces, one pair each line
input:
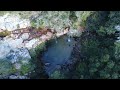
[115,76]
[81,67]
[73,16]
[84,17]
[2,13]
[5,33]
[6,68]
[36,60]
[83,23]
[110,64]
[81,71]
[24,14]
[99,50]
[101,31]
[13,70]
[90,45]
[105,58]
[97,19]
[117,50]
[104,75]
[78,18]
[33,23]
[56,75]
[110,30]
[114,18]
[25,69]
[38,50]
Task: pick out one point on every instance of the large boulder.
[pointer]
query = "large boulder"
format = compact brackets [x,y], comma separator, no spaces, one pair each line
[15,55]
[13,43]
[14,60]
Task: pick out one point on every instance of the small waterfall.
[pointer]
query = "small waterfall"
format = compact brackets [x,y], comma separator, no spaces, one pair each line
[56,40]
[69,39]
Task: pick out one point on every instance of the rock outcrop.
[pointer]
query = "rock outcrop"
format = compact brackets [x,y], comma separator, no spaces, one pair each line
[14,50]
[20,38]
[12,59]
[12,21]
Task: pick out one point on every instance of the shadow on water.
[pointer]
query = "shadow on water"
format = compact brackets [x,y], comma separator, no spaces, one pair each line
[58,52]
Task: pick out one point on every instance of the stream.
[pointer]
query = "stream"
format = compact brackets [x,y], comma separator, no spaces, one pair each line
[58,52]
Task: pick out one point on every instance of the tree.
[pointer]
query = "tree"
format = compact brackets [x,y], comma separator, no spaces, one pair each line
[99,48]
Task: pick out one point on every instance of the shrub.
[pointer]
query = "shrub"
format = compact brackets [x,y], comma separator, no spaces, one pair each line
[56,75]
[5,33]
[25,69]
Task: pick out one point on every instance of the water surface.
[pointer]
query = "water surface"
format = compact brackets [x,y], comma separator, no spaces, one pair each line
[58,52]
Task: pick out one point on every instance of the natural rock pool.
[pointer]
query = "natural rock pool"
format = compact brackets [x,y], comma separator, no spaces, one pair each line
[58,52]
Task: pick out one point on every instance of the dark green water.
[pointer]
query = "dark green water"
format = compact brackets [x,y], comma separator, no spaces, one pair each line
[58,52]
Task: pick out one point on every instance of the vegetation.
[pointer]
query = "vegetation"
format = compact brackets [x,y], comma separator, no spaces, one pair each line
[37,61]
[5,33]
[25,69]
[99,49]
[5,67]
[57,75]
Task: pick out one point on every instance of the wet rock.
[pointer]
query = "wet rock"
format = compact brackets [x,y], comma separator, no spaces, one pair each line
[58,67]
[13,77]
[22,77]
[17,77]
[47,64]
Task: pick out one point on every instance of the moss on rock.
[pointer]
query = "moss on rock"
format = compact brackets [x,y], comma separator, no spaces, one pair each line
[37,61]
[57,75]
[5,33]
[25,69]
[6,68]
